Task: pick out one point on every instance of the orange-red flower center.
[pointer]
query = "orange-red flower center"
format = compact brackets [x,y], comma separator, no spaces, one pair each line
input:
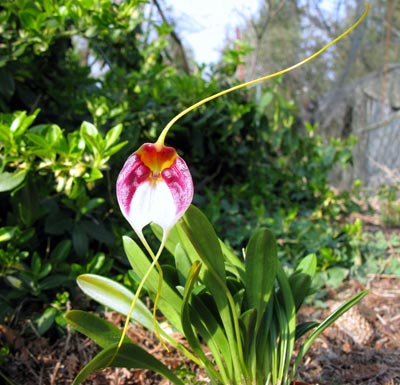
[156,159]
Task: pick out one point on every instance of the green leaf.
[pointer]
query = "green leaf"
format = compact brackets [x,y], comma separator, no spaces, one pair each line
[45,320]
[203,240]
[187,324]
[52,281]
[7,233]
[112,135]
[38,140]
[170,302]
[45,270]
[266,99]
[36,264]
[286,310]
[89,129]
[233,263]
[21,122]
[263,353]
[61,251]
[308,265]
[92,204]
[98,231]
[114,149]
[248,324]
[261,268]
[102,332]
[200,242]
[305,327]
[28,19]
[92,143]
[128,356]
[93,175]
[323,325]
[15,282]
[211,331]
[92,139]
[10,180]
[182,262]
[300,281]
[53,134]
[115,296]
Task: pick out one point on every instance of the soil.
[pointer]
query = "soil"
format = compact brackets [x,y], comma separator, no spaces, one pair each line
[361,348]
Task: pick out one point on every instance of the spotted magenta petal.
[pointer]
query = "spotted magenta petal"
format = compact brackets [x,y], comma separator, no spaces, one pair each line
[154,186]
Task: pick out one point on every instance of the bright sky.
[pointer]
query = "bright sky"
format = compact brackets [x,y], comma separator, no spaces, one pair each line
[204,25]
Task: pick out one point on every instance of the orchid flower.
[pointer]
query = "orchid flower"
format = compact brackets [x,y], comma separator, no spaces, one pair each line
[155,185]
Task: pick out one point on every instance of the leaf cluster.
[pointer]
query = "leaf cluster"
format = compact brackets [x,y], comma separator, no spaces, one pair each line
[244,310]
[52,215]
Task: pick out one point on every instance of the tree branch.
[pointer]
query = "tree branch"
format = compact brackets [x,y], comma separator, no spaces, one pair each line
[175,37]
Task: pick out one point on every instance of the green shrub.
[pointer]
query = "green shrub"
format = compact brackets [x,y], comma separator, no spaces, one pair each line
[53,223]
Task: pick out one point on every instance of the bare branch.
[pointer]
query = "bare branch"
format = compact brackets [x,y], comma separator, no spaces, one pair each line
[175,37]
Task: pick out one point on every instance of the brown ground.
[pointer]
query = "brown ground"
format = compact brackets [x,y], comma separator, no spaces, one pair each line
[362,348]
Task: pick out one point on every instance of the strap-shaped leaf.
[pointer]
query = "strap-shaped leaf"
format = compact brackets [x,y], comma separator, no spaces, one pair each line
[286,311]
[183,264]
[248,326]
[115,296]
[263,359]
[305,327]
[323,325]
[102,332]
[170,302]
[285,341]
[204,240]
[188,329]
[128,356]
[214,336]
[199,240]
[261,267]
[232,262]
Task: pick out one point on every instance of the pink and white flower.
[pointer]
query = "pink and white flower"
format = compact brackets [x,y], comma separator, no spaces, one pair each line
[154,186]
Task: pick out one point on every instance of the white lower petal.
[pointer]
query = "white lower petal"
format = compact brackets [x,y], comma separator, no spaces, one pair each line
[152,202]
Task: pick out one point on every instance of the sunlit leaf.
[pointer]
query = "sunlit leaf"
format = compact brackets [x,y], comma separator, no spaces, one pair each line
[261,267]
[102,332]
[113,135]
[11,180]
[115,296]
